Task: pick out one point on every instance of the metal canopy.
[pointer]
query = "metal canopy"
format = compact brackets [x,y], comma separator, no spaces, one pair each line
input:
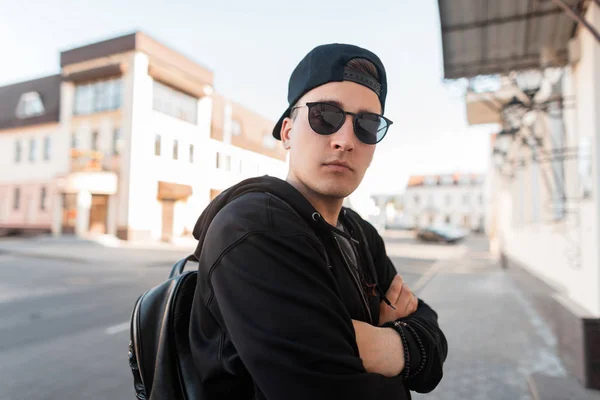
[484,37]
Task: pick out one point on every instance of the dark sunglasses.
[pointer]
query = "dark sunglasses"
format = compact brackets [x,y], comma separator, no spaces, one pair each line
[326,119]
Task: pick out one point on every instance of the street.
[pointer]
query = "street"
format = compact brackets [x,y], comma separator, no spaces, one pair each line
[64,315]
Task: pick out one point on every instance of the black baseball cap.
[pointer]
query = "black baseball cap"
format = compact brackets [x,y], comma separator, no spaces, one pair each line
[327,63]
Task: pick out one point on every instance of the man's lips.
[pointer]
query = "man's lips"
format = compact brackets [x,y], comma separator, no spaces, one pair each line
[340,165]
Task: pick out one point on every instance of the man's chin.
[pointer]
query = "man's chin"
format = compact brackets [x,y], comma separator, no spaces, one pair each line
[336,191]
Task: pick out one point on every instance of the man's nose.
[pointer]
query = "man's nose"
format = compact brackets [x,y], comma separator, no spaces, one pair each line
[344,139]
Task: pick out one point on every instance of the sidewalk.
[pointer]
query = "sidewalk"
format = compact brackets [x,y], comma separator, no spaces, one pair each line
[99,250]
[496,340]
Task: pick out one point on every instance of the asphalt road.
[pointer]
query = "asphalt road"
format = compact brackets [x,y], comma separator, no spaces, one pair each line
[64,323]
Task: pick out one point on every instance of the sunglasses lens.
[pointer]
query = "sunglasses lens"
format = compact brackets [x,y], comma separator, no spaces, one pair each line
[325,119]
[370,128]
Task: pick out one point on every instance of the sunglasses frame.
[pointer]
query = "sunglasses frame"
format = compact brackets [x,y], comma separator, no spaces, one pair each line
[355,116]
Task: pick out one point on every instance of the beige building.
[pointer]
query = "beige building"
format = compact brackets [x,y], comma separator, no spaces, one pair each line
[128,140]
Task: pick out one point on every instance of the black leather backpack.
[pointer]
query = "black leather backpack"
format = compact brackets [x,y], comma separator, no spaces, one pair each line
[159,346]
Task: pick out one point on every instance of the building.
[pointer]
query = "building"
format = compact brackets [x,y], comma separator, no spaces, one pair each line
[544,210]
[452,199]
[129,139]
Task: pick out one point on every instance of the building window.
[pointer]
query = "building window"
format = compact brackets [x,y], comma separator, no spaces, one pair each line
[416,200]
[32,150]
[16,198]
[30,105]
[74,140]
[175,149]
[95,140]
[117,142]
[481,199]
[236,128]
[43,195]
[98,96]
[47,148]
[224,162]
[191,153]
[157,145]
[448,200]
[18,151]
[448,219]
[174,103]
[557,140]
[466,199]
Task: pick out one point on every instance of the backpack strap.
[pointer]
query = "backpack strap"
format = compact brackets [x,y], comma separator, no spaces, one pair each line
[180,265]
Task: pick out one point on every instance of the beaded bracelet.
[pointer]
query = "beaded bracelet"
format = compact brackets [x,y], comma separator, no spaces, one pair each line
[421,349]
[398,328]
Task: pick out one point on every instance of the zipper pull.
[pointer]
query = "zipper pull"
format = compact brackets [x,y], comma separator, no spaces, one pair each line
[384,298]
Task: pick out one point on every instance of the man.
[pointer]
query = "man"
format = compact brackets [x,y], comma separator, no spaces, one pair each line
[296,297]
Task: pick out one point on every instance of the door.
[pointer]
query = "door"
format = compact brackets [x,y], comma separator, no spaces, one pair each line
[168,208]
[98,213]
[467,222]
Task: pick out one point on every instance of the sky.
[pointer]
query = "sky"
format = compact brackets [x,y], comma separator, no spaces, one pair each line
[252,48]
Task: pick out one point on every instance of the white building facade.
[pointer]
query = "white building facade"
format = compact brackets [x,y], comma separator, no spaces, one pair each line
[452,199]
[130,140]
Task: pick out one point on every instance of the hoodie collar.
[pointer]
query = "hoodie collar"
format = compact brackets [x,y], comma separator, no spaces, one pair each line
[266,184]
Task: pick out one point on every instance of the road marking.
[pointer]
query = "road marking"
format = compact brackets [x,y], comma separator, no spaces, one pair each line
[427,276]
[430,273]
[111,330]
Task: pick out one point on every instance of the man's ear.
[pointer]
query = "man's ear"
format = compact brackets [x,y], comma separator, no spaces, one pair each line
[286,133]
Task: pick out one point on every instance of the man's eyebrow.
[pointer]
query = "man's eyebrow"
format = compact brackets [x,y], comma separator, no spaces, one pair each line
[338,104]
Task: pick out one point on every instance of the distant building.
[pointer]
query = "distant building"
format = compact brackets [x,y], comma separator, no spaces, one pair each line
[129,140]
[454,199]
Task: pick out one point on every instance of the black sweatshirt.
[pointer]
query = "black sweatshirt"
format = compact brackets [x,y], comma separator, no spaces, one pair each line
[273,308]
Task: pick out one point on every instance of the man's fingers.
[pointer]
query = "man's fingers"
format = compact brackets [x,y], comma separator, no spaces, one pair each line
[408,297]
[393,293]
[415,303]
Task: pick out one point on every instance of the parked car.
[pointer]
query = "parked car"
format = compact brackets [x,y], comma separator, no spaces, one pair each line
[441,233]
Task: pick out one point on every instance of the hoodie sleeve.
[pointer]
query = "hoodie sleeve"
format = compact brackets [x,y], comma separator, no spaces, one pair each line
[424,322]
[279,305]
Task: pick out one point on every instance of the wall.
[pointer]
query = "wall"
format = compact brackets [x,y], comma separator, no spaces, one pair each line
[565,253]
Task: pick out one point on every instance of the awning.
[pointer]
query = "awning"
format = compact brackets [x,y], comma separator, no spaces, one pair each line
[486,37]
[173,191]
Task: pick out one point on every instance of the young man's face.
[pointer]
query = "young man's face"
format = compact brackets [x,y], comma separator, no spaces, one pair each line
[312,156]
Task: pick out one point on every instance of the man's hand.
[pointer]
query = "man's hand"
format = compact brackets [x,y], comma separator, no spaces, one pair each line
[380,349]
[402,298]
